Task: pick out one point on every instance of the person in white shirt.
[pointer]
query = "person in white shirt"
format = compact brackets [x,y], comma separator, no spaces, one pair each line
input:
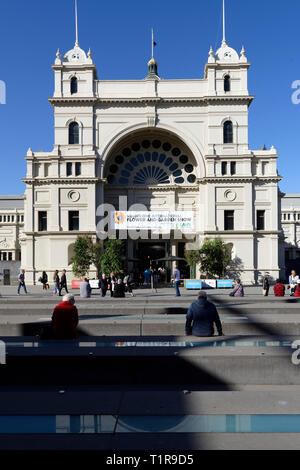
[293,281]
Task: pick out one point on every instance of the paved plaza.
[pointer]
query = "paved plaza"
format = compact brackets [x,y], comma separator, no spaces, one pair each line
[132,379]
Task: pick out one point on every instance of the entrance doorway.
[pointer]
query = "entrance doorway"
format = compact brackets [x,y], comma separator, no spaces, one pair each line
[148,252]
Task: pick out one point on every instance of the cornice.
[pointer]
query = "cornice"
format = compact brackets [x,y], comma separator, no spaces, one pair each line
[241,232]
[165,188]
[146,101]
[240,179]
[46,182]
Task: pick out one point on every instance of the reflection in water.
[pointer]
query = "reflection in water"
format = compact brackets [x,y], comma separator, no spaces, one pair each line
[98,424]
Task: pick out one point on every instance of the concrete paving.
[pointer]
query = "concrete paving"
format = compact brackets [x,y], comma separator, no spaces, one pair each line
[159,378]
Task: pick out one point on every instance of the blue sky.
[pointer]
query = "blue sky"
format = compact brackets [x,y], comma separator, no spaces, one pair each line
[118,33]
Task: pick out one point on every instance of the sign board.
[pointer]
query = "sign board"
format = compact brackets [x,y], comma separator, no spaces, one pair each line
[164,221]
[225,284]
[94,283]
[192,284]
[76,284]
[209,284]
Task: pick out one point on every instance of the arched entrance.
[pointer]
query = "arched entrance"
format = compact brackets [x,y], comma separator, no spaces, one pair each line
[156,169]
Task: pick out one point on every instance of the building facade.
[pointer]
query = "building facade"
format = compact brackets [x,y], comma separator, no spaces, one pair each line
[290,220]
[158,145]
[11,229]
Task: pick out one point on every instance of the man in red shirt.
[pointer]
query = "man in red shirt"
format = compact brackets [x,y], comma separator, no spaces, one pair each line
[279,289]
[65,319]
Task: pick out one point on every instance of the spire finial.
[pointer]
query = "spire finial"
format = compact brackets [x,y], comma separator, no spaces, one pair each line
[224,24]
[152,64]
[76,23]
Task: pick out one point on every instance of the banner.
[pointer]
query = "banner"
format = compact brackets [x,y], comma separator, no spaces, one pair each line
[164,221]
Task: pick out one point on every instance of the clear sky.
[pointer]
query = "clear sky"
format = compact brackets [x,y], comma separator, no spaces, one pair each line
[118,33]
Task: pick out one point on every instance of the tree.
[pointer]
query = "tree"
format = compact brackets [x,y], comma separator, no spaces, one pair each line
[111,258]
[215,257]
[83,256]
[192,258]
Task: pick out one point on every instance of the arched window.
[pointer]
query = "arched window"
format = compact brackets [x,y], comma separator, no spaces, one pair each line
[74,85]
[73,133]
[228,132]
[227,83]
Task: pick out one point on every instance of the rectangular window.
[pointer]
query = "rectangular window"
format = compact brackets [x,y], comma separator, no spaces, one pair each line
[69,169]
[12,218]
[229,220]
[224,168]
[8,218]
[260,220]
[4,218]
[232,168]
[42,221]
[73,220]
[0,218]
[77,168]
[9,256]
[4,256]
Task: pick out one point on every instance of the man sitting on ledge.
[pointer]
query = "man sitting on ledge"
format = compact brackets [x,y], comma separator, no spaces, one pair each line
[201,317]
[65,319]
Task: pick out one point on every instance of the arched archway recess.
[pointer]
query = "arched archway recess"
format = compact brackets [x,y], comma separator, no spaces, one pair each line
[151,157]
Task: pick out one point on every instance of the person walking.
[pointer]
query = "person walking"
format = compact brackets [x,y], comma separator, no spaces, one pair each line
[177,281]
[129,283]
[201,318]
[65,319]
[21,282]
[155,279]
[293,281]
[85,289]
[147,277]
[279,289]
[266,284]
[44,280]
[56,282]
[63,283]
[103,285]
[238,290]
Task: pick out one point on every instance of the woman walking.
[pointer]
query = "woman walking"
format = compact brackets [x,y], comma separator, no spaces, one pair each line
[56,282]
[44,280]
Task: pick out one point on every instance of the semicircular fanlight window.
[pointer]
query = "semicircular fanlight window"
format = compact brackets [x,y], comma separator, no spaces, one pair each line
[151,175]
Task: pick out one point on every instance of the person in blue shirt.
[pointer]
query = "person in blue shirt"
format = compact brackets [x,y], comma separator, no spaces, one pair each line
[21,282]
[201,318]
[177,281]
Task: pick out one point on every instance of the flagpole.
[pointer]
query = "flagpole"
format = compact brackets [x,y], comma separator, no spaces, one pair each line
[152,43]
[224,23]
[76,23]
